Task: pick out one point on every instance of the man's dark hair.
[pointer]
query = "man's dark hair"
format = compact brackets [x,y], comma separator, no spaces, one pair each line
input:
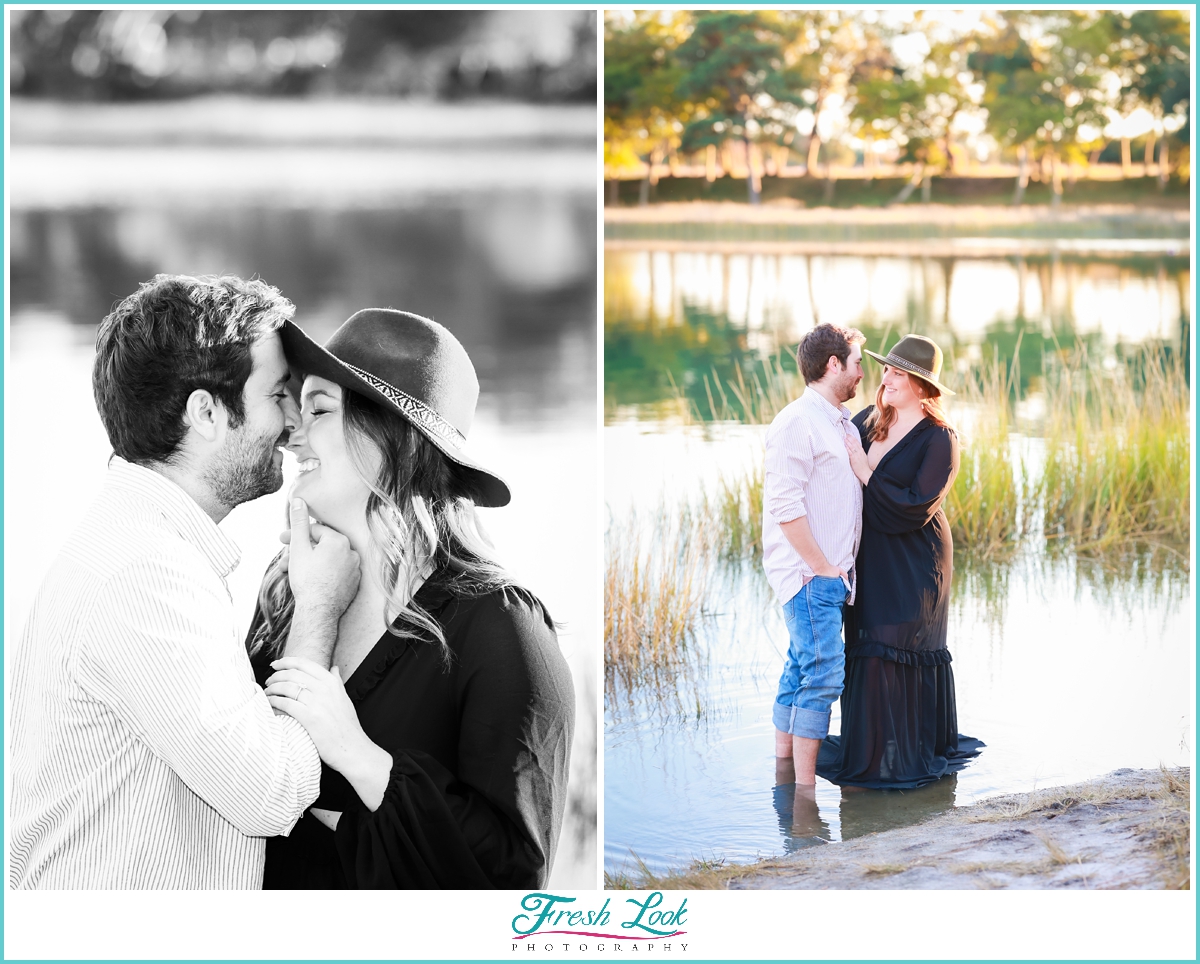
[812,354]
[174,335]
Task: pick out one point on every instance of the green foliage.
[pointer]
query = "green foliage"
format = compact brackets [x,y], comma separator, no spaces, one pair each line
[1151,52]
[1041,77]
[642,109]
[915,107]
[735,67]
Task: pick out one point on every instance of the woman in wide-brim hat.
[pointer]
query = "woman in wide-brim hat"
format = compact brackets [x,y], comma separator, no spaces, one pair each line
[899,717]
[446,748]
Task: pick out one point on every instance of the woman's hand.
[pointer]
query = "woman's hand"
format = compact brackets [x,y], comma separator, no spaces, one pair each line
[858,457]
[317,700]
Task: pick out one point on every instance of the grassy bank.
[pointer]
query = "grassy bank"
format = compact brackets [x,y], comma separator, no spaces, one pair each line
[879,192]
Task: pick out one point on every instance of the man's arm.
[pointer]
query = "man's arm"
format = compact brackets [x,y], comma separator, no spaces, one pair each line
[324,574]
[798,533]
[161,652]
[787,468]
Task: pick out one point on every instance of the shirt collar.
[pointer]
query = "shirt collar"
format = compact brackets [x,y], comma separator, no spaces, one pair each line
[835,413]
[179,510]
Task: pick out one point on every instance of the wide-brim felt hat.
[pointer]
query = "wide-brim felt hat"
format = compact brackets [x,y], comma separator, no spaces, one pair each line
[412,366]
[918,356]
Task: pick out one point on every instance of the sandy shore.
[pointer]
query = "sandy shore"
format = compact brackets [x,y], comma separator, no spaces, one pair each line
[1127,830]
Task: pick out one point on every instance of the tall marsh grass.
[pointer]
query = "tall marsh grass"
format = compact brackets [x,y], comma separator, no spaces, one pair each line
[738,506]
[1117,452]
[984,506]
[656,581]
[1116,467]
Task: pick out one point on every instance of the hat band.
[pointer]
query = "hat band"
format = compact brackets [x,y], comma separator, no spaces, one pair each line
[917,368]
[414,410]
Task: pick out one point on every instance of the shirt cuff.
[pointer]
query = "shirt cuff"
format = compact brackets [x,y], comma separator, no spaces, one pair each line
[785,512]
[300,751]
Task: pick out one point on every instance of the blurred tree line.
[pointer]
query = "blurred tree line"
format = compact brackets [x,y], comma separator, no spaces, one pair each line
[137,54]
[770,85]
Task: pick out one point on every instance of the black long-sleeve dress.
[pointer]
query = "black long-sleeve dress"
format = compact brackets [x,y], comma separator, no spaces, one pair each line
[480,755]
[899,720]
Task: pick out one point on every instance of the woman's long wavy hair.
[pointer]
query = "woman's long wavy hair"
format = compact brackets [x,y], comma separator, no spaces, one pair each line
[880,421]
[421,516]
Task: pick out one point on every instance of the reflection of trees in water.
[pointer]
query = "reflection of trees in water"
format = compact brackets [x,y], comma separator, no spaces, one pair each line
[527,333]
[648,357]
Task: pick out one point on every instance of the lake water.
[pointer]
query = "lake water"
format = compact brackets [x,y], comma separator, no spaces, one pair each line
[511,270]
[691,313]
[1066,668]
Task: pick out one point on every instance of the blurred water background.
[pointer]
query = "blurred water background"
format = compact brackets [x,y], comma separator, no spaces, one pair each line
[442,162]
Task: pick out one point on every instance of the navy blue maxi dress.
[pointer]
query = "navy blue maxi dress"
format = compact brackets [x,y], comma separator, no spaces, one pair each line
[899,719]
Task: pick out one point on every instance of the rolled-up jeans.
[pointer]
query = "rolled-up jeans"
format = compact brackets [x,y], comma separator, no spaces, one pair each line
[816,660]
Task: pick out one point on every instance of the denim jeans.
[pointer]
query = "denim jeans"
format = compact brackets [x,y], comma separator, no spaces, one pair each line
[816,660]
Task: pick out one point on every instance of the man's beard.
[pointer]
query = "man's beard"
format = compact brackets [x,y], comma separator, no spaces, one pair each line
[246,469]
[848,388]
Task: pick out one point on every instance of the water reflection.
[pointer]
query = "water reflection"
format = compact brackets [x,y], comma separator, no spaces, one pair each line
[511,275]
[871,811]
[799,815]
[672,317]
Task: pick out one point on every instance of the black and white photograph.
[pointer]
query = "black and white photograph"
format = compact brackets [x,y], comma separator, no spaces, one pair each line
[301,449]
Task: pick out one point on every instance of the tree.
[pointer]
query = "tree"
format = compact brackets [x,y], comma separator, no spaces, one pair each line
[735,67]
[915,107]
[643,114]
[831,46]
[1041,83]
[1150,51]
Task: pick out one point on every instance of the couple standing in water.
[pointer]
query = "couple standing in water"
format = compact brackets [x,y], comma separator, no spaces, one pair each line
[854,537]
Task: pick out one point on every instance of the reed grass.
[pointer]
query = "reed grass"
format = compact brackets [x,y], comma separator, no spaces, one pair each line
[984,506]
[1117,452]
[738,506]
[1115,472]
[656,582]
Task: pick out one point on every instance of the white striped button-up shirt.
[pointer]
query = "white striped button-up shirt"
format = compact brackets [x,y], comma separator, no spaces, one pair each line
[142,752]
[807,473]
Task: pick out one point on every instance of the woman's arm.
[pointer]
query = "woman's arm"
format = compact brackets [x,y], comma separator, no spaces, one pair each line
[894,507]
[316,698]
[493,820]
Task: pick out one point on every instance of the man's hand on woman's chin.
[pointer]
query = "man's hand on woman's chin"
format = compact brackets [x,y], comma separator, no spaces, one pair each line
[323,572]
[323,568]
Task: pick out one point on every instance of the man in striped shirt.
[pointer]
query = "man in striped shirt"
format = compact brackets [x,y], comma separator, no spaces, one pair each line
[142,753]
[812,520]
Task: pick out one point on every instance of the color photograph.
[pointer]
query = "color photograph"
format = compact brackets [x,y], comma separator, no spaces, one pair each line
[897,445]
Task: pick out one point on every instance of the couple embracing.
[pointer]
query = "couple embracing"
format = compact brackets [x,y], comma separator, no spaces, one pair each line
[854,535]
[399,715]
